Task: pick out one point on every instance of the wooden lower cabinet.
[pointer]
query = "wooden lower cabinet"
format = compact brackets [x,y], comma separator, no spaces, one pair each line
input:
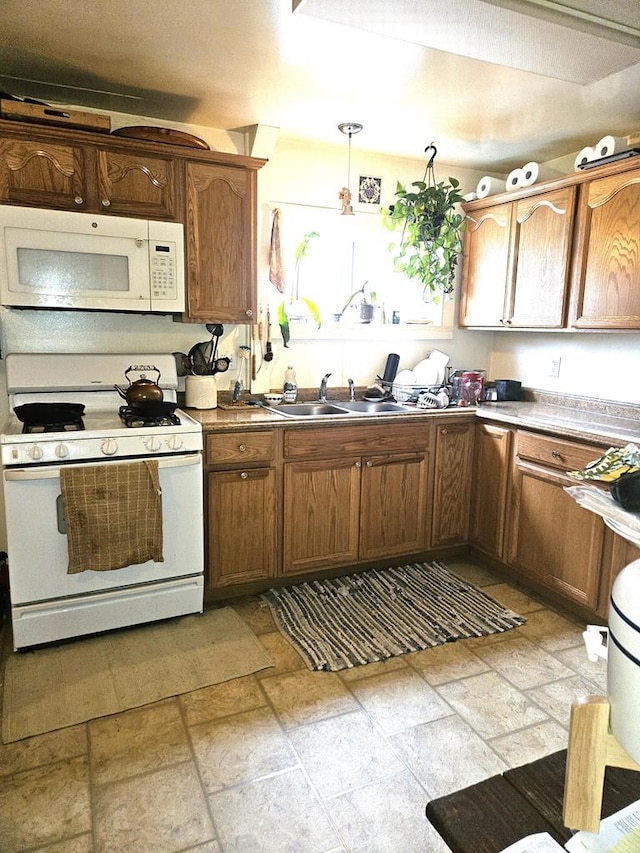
[491,478]
[242,492]
[552,540]
[354,494]
[618,553]
[241,524]
[452,484]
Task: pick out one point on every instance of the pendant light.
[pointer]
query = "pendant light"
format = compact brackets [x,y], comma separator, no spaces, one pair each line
[349,128]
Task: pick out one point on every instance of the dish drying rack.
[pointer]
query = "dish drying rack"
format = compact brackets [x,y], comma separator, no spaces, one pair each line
[408,393]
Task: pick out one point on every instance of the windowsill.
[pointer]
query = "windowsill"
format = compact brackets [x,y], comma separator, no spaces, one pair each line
[301,332]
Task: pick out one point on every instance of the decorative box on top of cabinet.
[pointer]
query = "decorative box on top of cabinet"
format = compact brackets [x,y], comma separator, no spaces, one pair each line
[517,262]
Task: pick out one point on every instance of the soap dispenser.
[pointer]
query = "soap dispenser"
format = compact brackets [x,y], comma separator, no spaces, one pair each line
[290,387]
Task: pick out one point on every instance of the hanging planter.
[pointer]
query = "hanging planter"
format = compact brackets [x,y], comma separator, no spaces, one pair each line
[431,231]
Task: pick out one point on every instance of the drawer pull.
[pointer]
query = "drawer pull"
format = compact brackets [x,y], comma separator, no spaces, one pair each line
[242,448]
[556,454]
[244,475]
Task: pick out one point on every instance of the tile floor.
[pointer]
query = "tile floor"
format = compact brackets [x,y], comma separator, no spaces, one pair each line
[291,761]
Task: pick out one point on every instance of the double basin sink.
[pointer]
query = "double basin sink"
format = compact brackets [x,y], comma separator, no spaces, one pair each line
[359,407]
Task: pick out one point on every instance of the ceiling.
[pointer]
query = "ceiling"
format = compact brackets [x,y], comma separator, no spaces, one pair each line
[539,79]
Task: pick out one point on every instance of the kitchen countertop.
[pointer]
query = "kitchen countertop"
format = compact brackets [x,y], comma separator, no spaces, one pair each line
[580,418]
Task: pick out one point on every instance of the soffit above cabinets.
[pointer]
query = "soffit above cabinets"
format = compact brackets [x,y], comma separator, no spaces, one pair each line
[579,41]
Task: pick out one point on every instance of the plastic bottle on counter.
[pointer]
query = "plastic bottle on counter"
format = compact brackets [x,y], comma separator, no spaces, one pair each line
[290,387]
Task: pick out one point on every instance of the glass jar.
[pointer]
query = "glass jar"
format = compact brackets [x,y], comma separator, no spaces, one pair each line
[472,388]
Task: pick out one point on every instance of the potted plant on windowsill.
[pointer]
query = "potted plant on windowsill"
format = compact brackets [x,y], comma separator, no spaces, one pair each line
[432,231]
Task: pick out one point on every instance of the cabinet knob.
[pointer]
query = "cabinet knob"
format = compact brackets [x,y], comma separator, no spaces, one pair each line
[242,448]
[369,463]
[444,431]
[249,313]
[358,464]
[78,200]
[106,202]
[244,475]
[556,454]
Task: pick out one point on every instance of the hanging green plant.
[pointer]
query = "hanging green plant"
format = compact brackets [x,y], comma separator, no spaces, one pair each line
[431,231]
[311,307]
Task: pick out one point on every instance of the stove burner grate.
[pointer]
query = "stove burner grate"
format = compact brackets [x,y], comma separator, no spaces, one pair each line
[74,425]
[135,418]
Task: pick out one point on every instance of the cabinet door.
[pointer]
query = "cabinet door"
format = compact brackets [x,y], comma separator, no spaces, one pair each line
[321,514]
[485,267]
[606,274]
[221,224]
[552,539]
[491,470]
[42,174]
[452,484]
[543,227]
[241,525]
[136,185]
[393,505]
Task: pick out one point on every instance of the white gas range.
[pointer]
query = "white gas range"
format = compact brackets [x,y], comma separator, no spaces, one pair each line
[47,602]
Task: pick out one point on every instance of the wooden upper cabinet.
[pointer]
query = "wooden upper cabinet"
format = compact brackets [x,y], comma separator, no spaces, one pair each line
[221,265]
[485,266]
[136,184]
[542,232]
[606,273]
[42,174]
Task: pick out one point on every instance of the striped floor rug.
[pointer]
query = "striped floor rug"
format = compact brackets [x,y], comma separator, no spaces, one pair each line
[378,614]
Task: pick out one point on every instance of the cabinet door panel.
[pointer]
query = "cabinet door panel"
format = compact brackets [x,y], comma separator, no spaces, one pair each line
[241,529]
[542,236]
[42,174]
[618,553]
[221,243]
[490,489]
[452,484]
[136,185]
[552,538]
[321,511]
[393,501]
[607,272]
[485,267]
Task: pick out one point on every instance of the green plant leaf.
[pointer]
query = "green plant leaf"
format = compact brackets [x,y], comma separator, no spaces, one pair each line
[283,322]
[314,310]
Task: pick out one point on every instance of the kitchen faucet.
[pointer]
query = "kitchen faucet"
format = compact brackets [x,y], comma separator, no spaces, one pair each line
[352,390]
[323,388]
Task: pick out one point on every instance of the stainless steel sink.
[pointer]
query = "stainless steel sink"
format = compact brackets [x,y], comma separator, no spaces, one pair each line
[374,407]
[309,409]
[319,409]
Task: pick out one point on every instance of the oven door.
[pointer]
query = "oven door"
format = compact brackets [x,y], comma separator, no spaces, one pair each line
[38,545]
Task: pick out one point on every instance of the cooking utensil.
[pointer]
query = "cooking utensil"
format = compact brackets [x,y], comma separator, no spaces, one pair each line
[34,414]
[153,408]
[268,356]
[143,390]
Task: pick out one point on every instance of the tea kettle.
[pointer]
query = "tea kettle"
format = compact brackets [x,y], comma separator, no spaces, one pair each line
[143,390]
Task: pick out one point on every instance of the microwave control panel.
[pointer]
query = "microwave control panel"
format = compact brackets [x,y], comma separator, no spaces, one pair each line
[163,270]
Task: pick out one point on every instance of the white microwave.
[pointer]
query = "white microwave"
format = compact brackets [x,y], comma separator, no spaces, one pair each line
[64,259]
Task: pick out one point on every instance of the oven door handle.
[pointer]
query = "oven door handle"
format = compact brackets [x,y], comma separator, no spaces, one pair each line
[48,473]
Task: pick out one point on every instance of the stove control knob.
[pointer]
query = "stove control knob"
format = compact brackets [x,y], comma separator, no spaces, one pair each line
[152,443]
[174,442]
[35,452]
[62,451]
[109,446]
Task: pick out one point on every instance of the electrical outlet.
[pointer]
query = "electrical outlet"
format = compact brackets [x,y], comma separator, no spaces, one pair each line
[554,366]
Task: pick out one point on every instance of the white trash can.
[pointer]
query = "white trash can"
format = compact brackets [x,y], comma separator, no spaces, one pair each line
[623,668]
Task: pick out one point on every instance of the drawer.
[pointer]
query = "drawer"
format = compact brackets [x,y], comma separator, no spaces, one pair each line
[330,441]
[240,448]
[555,452]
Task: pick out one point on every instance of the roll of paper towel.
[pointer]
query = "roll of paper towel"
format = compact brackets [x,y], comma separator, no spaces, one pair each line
[512,179]
[609,145]
[585,155]
[490,186]
[533,172]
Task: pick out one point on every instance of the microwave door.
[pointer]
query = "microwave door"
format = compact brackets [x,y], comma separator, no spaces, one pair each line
[47,269]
